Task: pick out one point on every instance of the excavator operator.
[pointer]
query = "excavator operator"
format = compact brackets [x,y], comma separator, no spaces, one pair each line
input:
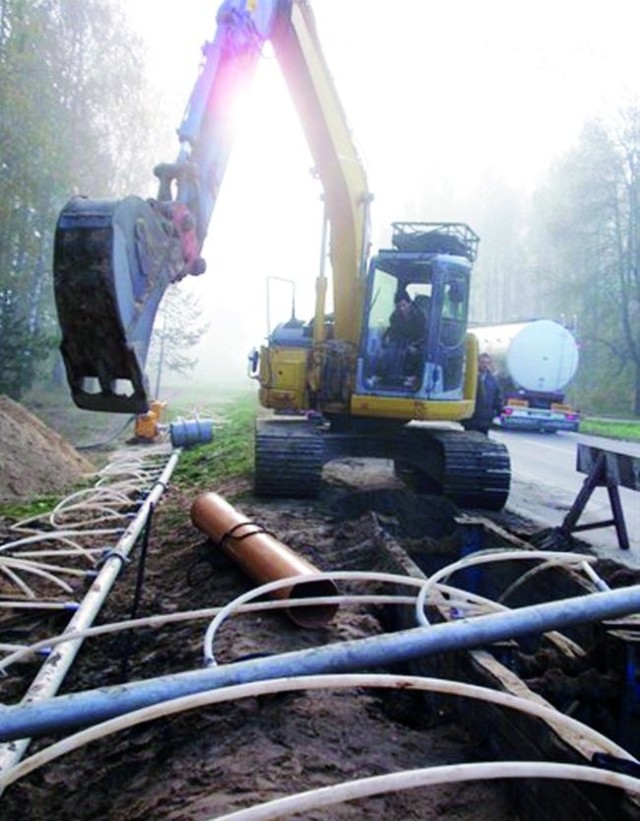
[403,342]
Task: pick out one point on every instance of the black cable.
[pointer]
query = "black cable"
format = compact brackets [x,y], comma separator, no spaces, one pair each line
[137,595]
[96,445]
[605,761]
[144,548]
[192,571]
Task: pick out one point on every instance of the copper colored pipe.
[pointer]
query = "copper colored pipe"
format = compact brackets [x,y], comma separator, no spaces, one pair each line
[263,557]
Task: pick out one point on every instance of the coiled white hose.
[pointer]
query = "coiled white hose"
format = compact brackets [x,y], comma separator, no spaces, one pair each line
[472,604]
[435,590]
[488,556]
[54,669]
[23,652]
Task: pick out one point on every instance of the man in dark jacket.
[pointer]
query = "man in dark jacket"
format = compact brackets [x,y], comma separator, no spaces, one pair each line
[488,397]
[406,323]
[404,340]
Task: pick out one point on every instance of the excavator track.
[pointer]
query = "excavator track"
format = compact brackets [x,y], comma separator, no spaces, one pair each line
[469,468]
[289,455]
[476,470]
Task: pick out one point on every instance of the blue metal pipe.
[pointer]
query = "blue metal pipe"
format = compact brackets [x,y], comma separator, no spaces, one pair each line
[92,706]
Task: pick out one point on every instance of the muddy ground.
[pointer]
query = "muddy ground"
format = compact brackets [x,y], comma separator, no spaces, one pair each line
[204,763]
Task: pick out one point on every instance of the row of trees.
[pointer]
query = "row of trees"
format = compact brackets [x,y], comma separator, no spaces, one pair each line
[78,117]
[572,252]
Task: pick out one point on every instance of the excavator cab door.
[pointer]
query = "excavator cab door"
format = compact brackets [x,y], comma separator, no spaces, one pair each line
[395,339]
[450,345]
[429,362]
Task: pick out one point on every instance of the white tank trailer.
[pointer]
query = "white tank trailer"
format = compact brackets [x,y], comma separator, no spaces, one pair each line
[535,362]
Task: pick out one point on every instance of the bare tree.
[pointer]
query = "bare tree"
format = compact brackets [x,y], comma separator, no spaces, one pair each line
[178,328]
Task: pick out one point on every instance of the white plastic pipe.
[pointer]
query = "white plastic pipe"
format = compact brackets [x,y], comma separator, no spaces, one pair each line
[304,802]
[489,556]
[303,683]
[54,669]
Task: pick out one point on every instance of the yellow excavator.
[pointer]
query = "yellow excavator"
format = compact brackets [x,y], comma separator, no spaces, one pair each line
[337,384]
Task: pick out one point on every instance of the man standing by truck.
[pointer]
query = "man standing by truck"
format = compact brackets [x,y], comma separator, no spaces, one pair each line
[488,397]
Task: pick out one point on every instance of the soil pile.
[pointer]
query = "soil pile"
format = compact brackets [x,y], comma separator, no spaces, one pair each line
[34,460]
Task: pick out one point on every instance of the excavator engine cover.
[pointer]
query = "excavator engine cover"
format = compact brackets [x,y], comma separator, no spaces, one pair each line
[113,261]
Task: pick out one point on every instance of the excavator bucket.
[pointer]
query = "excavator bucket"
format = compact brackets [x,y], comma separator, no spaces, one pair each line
[113,261]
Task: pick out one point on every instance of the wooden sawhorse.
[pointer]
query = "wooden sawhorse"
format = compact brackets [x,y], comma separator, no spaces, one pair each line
[604,468]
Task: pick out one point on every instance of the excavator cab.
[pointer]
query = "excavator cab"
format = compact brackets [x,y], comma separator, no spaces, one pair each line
[383,396]
[422,351]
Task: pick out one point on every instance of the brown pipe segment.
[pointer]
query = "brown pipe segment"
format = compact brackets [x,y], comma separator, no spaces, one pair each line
[263,557]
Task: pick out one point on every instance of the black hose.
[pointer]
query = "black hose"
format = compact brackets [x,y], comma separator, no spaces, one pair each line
[137,595]
[96,445]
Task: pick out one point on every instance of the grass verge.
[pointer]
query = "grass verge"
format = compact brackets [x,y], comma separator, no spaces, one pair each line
[612,429]
[231,451]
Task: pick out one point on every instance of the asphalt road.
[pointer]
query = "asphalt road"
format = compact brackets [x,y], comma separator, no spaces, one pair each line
[545,483]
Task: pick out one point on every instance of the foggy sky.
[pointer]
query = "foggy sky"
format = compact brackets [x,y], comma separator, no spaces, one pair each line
[438,95]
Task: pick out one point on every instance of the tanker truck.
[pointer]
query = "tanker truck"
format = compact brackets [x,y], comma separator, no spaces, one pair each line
[535,362]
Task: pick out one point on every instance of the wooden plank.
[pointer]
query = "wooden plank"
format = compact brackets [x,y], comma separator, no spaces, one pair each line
[512,735]
[619,467]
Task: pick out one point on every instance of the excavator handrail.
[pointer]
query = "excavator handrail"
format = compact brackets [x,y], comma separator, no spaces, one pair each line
[438,237]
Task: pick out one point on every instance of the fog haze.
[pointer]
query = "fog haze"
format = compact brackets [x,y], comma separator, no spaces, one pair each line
[439,96]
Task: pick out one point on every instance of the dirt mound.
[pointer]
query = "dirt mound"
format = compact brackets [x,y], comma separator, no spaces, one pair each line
[34,459]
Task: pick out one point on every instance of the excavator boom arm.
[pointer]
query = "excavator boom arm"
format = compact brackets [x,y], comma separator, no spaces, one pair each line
[206,132]
[114,260]
[336,159]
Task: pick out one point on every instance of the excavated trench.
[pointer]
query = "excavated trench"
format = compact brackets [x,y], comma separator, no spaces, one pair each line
[200,764]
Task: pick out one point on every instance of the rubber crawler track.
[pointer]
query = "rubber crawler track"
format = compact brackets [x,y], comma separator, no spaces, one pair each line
[288,460]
